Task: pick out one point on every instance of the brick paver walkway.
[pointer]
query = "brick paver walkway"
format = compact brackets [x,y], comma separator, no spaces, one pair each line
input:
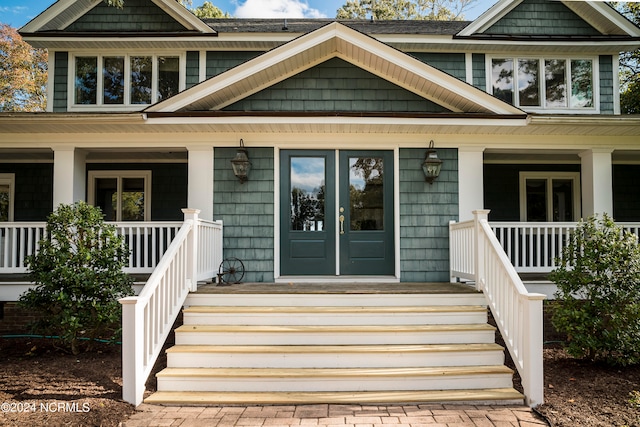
[432,415]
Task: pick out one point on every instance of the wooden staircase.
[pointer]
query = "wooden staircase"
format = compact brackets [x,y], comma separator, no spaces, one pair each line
[303,348]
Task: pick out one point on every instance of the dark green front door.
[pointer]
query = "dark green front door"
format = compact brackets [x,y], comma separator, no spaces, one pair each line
[366,213]
[336,230]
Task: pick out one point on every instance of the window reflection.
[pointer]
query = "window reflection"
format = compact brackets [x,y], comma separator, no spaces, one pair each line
[528,82]
[307,202]
[113,80]
[502,79]
[366,197]
[86,80]
[555,76]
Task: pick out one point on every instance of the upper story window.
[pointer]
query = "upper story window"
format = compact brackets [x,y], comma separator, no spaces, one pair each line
[125,81]
[559,84]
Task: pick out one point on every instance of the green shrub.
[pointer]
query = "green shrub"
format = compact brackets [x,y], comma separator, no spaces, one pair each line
[598,297]
[78,276]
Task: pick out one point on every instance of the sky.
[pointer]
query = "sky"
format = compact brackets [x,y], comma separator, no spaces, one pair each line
[18,12]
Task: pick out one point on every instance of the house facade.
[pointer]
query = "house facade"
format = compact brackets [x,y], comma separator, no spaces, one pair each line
[149,104]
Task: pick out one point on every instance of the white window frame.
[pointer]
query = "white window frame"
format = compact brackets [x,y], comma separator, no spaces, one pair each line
[542,89]
[9,179]
[126,105]
[574,177]
[119,175]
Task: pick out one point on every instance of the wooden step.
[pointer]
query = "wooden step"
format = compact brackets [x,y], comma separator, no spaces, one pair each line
[333,334]
[335,315]
[331,379]
[498,396]
[280,297]
[334,356]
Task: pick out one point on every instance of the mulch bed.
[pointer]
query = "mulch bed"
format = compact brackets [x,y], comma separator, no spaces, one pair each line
[42,386]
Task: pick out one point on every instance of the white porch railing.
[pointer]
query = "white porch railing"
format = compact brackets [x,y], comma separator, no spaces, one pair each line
[476,254]
[147,319]
[148,241]
[533,247]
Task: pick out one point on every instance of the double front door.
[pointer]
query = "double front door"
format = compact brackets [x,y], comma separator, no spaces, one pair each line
[336,212]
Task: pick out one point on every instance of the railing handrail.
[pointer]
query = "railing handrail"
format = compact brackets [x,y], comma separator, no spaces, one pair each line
[518,313]
[147,319]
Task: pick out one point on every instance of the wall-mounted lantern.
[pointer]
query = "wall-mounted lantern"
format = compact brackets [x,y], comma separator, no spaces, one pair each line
[431,165]
[241,164]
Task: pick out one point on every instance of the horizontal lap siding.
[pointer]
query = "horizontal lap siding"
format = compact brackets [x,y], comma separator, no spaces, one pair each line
[606,84]
[136,15]
[425,212]
[335,85]
[450,63]
[33,192]
[247,211]
[626,197]
[542,17]
[219,62]
[60,79]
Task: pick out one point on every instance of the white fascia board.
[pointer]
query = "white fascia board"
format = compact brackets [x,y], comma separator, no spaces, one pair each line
[52,12]
[183,16]
[490,17]
[612,15]
[337,120]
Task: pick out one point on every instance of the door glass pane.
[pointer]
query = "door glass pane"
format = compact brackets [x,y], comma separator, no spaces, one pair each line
[4,203]
[141,74]
[366,197]
[502,79]
[581,83]
[562,200]
[168,76]
[528,82]
[307,193]
[113,79]
[86,83]
[555,75]
[107,197]
[132,199]
[536,200]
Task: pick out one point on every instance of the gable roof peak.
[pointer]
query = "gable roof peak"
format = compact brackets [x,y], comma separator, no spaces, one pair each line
[63,13]
[596,13]
[334,40]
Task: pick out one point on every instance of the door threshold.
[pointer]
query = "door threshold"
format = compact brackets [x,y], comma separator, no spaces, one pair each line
[337,279]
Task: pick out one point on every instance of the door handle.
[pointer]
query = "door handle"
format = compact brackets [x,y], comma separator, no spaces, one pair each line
[341,224]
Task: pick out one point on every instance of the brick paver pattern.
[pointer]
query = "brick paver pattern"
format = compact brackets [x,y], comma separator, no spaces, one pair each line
[432,415]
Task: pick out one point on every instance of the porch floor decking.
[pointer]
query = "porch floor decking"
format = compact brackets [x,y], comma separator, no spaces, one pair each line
[338,288]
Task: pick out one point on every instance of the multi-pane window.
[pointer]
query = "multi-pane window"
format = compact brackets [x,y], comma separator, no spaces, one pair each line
[554,83]
[6,196]
[125,80]
[121,195]
[549,196]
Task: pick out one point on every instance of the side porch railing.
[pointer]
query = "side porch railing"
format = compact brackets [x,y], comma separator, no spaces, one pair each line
[533,247]
[148,241]
[476,255]
[193,255]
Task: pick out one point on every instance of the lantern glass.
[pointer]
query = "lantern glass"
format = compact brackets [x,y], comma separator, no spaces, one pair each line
[431,166]
[241,165]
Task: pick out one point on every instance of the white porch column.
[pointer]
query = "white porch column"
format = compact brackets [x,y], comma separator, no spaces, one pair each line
[470,181]
[597,182]
[200,178]
[69,184]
